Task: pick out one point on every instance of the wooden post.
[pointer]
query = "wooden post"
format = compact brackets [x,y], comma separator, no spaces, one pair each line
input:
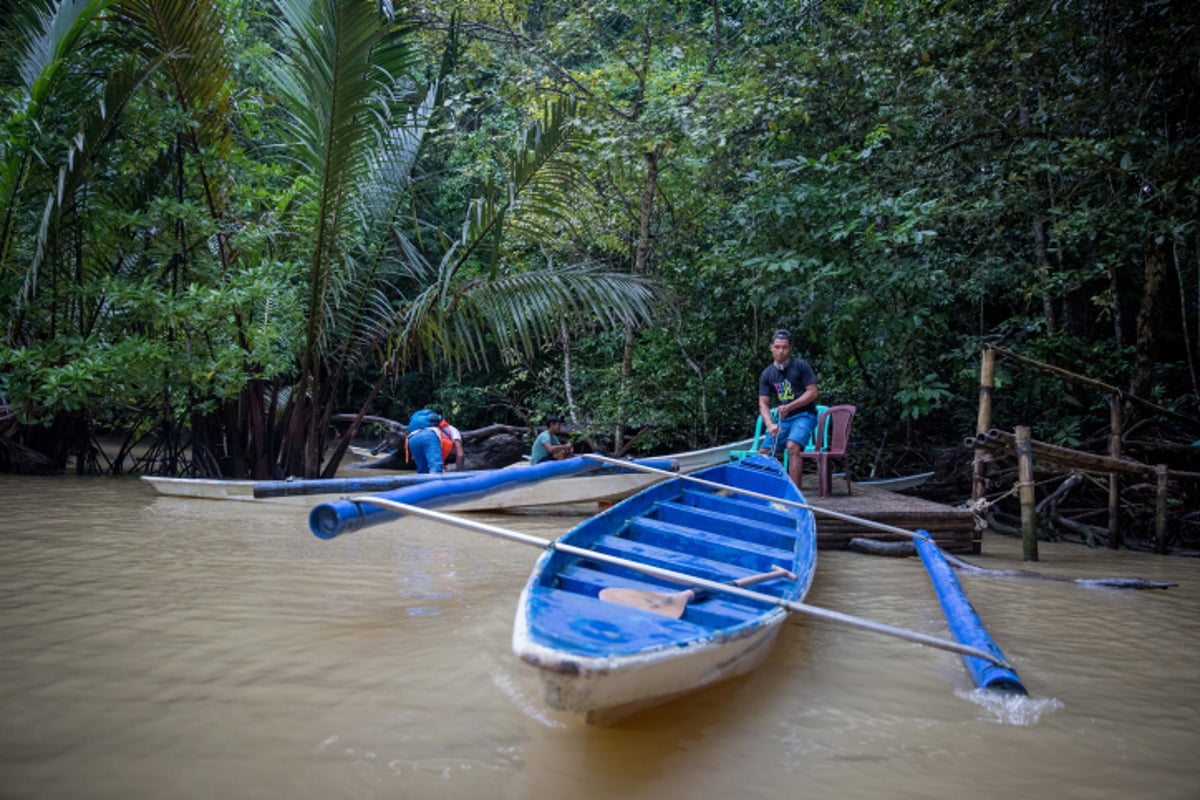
[1160,509]
[1029,522]
[987,374]
[1114,480]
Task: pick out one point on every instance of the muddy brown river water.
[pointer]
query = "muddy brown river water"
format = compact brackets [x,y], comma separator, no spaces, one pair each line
[154,647]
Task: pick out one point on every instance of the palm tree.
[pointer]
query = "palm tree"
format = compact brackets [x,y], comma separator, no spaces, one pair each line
[353,129]
[353,120]
[76,82]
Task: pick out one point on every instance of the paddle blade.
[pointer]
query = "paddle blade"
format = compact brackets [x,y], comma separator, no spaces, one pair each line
[669,605]
[672,604]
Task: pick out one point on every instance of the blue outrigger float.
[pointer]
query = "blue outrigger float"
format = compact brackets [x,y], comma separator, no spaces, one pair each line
[649,599]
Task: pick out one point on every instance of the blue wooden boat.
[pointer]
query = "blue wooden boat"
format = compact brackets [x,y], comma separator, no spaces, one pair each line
[648,600]
[609,639]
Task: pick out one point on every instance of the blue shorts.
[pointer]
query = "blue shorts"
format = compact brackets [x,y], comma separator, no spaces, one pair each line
[796,428]
[425,447]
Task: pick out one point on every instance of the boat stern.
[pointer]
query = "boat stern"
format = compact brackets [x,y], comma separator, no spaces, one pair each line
[605,688]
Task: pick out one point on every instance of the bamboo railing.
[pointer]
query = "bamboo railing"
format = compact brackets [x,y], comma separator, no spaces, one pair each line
[989,443]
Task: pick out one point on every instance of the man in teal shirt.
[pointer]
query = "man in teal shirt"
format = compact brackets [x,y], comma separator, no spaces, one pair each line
[547,444]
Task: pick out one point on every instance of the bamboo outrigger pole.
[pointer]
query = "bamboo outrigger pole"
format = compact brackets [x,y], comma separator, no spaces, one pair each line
[689,580]
[960,615]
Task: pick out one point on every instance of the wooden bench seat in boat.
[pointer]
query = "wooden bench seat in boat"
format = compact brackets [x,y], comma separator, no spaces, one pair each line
[781,537]
[715,569]
[746,507]
[717,546]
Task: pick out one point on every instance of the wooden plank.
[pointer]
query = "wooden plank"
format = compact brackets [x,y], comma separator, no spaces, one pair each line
[953,529]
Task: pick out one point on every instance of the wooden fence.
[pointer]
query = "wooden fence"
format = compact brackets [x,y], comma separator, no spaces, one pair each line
[989,443]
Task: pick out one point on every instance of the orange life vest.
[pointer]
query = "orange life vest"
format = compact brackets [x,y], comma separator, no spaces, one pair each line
[444,441]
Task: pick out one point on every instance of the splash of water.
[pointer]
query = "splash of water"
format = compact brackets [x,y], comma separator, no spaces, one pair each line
[1004,708]
[528,707]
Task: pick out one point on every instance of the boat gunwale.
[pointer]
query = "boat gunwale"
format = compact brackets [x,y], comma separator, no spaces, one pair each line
[526,638]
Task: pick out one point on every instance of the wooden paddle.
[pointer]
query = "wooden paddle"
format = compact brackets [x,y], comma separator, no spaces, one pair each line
[673,604]
[679,577]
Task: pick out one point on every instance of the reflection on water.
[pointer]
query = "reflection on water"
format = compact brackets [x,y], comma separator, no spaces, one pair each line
[158,647]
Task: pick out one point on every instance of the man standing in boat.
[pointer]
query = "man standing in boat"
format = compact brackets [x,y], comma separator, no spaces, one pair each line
[793,384]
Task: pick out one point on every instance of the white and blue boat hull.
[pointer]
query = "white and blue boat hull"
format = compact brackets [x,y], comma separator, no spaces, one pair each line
[604,660]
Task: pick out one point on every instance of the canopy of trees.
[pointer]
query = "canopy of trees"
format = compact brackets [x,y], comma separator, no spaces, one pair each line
[222,222]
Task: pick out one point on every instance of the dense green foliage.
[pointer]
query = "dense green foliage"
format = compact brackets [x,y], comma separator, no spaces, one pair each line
[224,221]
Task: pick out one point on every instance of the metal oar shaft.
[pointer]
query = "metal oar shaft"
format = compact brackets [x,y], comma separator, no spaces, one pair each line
[682,578]
[866,523]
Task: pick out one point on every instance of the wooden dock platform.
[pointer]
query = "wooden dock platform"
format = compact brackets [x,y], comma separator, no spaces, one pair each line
[952,528]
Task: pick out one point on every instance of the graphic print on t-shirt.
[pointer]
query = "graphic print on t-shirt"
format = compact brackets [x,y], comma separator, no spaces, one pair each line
[783,390]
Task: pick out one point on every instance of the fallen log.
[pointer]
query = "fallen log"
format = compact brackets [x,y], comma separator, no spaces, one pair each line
[490,447]
[468,436]
[488,431]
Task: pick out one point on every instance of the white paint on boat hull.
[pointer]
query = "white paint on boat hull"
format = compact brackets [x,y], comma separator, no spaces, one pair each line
[202,488]
[605,689]
[564,491]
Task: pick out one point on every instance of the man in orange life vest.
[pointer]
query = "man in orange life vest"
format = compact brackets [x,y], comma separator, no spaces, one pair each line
[451,442]
[430,440]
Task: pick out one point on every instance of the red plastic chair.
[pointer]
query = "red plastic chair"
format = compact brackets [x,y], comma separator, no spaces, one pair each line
[832,439]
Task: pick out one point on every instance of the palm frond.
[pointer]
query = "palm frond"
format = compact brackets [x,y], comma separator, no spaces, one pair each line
[458,317]
[519,312]
[96,126]
[540,181]
[390,166]
[185,38]
[48,34]
[362,323]
[339,85]
[189,39]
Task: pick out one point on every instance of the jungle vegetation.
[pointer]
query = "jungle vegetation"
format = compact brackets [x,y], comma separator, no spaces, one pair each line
[224,221]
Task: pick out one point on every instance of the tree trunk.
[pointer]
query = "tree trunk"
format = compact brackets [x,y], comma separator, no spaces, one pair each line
[1188,344]
[1115,307]
[1043,267]
[343,443]
[1146,334]
[568,388]
[703,394]
[640,257]
[1041,259]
